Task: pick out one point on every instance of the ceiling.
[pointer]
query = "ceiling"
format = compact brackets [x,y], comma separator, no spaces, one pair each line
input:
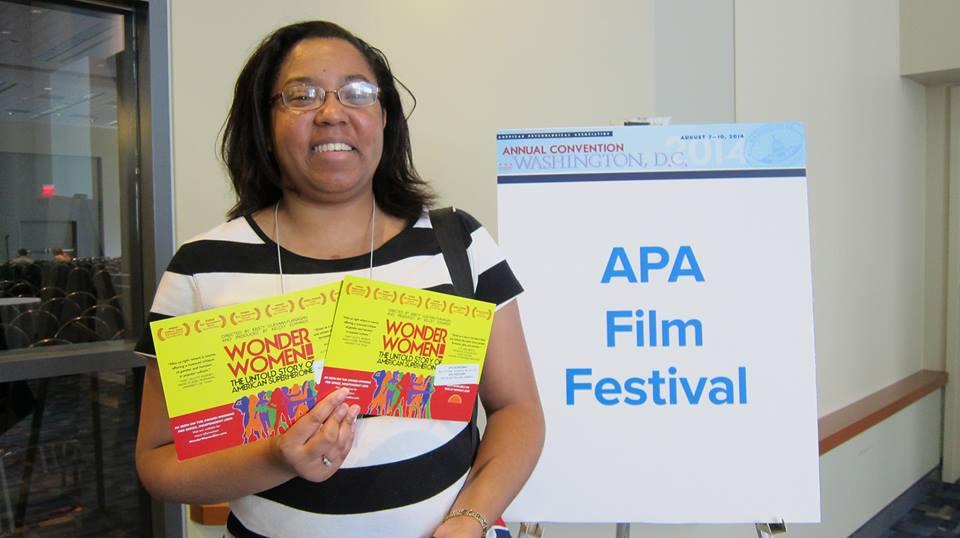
[58,64]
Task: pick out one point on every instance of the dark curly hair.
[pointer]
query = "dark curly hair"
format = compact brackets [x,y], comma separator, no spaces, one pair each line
[397,187]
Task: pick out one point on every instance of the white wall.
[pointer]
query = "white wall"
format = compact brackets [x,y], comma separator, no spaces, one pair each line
[937,213]
[931,42]
[865,164]
[951,433]
[694,58]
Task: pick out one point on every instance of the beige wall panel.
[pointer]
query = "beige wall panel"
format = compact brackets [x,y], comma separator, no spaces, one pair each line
[866,131]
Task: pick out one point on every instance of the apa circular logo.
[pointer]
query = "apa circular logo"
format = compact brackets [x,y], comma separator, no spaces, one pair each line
[775,145]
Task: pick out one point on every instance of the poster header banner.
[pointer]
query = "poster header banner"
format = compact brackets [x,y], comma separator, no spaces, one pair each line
[668,152]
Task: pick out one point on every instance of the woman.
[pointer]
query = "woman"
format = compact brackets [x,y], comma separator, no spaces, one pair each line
[319,154]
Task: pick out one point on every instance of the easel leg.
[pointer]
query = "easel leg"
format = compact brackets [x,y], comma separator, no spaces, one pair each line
[768,530]
[530,530]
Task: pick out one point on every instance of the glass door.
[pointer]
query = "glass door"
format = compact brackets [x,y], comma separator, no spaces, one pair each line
[71,299]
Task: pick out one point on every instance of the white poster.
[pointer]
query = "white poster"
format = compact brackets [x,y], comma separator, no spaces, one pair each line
[669,314]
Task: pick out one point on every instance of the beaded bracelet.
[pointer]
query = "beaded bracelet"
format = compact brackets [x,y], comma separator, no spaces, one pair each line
[470,513]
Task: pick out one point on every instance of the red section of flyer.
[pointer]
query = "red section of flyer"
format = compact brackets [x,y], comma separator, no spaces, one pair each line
[205,431]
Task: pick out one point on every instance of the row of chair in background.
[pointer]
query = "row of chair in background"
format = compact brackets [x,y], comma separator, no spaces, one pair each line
[64,320]
[73,304]
[101,294]
[27,280]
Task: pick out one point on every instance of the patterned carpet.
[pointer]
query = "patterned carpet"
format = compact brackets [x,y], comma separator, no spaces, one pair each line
[64,498]
[937,515]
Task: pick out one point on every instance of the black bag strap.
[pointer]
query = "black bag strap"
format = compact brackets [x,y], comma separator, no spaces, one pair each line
[450,234]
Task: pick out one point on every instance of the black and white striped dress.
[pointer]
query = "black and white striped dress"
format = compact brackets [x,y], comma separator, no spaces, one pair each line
[402,474]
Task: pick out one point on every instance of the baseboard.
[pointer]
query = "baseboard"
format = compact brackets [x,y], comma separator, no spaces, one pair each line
[891,513]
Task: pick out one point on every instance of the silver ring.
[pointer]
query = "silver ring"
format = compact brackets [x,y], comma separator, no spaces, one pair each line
[326,461]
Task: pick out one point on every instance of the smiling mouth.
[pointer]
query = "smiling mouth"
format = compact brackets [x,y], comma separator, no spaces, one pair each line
[335,146]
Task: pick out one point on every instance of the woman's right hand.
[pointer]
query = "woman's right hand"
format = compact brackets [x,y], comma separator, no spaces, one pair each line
[316,445]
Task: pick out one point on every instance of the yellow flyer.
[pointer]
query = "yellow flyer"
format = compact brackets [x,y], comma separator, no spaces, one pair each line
[407,352]
[242,373]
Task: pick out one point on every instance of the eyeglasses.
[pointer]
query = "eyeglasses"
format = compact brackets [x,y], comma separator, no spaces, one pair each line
[301,96]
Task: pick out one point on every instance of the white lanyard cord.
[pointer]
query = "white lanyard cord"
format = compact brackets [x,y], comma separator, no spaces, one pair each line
[276,235]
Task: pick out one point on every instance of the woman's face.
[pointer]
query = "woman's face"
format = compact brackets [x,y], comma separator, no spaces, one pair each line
[328,154]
